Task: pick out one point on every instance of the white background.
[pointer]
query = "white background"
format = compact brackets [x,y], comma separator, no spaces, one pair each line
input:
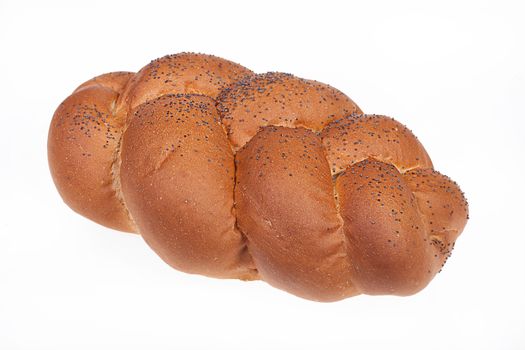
[453,71]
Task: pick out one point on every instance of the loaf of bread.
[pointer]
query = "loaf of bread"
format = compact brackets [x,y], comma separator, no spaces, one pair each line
[232,174]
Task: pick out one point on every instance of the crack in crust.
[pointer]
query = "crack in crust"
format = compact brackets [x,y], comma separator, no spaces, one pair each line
[246,257]
[116,81]
[115,176]
[338,210]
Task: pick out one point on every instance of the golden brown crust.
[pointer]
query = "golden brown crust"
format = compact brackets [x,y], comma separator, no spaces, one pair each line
[115,81]
[384,229]
[443,209]
[286,208]
[286,181]
[183,73]
[279,99]
[351,139]
[95,115]
[83,137]
[177,176]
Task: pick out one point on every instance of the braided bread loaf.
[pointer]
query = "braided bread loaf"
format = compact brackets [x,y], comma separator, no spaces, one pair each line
[232,174]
